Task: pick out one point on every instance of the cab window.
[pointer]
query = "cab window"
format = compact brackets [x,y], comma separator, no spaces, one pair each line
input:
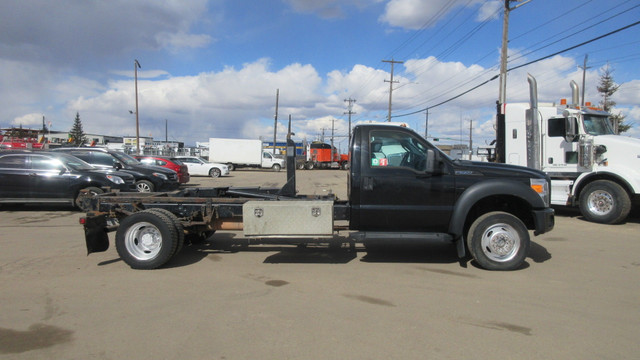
[395,149]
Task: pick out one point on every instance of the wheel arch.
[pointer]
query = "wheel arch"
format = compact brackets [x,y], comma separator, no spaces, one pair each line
[494,195]
[586,179]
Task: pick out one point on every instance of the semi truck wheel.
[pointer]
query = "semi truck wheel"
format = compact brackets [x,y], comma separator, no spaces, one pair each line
[144,186]
[176,223]
[146,240]
[498,241]
[215,172]
[604,202]
[309,166]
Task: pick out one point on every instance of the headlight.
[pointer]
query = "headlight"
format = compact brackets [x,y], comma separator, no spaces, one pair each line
[161,176]
[115,179]
[542,188]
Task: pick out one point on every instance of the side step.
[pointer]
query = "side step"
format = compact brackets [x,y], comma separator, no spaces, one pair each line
[404,237]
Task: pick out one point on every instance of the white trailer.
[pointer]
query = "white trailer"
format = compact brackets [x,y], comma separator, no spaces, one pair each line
[237,153]
[589,165]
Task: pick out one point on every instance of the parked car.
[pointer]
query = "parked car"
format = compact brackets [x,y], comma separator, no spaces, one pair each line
[148,178]
[46,177]
[173,164]
[199,167]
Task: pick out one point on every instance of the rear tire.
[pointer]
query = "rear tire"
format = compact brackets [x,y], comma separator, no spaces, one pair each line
[308,166]
[176,223]
[604,202]
[498,241]
[146,240]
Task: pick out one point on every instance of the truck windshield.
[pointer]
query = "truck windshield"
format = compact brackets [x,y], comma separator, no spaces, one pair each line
[597,125]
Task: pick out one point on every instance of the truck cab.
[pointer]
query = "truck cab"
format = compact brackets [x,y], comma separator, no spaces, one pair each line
[589,165]
[403,187]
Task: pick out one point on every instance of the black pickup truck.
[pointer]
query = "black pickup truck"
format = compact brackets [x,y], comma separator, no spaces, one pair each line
[401,188]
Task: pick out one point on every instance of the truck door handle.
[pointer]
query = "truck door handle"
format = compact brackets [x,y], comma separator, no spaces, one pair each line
[367,183]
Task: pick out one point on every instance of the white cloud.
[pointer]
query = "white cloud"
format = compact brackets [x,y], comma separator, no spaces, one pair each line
[64,32]
[328,9]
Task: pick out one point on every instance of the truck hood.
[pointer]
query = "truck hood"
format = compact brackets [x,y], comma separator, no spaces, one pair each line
[619,143]
[465,167]
[622,151]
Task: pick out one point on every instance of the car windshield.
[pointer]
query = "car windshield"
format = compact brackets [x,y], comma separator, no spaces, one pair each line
[126,158]
[597,125]
[73,162]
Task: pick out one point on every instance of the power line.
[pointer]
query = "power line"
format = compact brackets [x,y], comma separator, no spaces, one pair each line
[523,65]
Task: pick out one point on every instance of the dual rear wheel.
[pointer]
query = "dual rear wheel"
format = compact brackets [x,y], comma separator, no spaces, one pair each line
[148,239]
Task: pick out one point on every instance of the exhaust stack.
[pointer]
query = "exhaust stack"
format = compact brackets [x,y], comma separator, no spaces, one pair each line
[533,126]
[575,93]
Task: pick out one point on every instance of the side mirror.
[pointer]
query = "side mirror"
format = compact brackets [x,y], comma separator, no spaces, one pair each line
[117,165]
[431,161]
[570,129]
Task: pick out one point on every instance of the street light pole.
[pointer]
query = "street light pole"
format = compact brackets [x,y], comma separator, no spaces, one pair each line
[136,65]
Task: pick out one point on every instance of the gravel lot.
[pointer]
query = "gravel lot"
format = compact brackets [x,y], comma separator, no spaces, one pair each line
[577,298]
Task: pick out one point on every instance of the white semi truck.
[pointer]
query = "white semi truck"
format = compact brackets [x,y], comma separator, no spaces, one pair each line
[589,165]
[237,153]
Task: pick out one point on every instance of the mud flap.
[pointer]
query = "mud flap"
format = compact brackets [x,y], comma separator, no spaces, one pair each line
[460,248]
[95,234]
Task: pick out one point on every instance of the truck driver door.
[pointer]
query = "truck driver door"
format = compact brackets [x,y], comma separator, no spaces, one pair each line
[397,194]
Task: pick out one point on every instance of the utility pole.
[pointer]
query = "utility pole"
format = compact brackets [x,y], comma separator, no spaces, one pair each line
[584,68]
[426,125]
[275,121]
[393,62]
[470,138]
[136,65]
[502,94]
[350,112]
[332,130]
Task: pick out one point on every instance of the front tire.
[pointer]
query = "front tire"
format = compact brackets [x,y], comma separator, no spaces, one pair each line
[604,202]
[498,241]
[144,186]
[215,172]
[146,240]
[276,167]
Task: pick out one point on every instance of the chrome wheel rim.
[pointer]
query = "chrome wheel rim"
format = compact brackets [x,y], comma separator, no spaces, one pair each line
[143,187]
[600,202]
[500,242]
[143,241]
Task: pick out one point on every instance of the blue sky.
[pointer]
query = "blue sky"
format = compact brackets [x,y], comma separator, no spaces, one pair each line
[211,68]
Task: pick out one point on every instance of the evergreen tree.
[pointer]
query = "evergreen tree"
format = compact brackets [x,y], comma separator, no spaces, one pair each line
[607,87]
[76,135]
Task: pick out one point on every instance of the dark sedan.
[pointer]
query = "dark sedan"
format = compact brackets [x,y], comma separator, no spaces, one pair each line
[45,177]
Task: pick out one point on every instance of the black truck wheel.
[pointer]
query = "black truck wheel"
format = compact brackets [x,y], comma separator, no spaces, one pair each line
[146,240]
[144,186]
[498,241]
[81,200]
[604,202]
[176,223]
